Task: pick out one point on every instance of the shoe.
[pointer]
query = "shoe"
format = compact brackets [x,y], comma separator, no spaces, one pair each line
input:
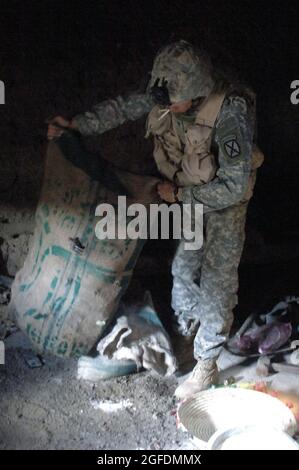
[95,369]
[204,374]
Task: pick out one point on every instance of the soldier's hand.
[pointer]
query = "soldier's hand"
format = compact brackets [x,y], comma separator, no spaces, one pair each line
[166,191]
[56,127]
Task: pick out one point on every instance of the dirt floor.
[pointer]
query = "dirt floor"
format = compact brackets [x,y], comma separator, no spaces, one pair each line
[48,408]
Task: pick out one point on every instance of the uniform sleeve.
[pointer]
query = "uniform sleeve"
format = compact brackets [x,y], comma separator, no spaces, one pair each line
[233,138]
[112,113]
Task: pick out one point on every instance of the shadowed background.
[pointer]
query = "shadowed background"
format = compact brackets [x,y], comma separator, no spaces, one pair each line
[63,57]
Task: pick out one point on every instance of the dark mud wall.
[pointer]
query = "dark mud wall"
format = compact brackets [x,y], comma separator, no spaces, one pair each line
[61,57]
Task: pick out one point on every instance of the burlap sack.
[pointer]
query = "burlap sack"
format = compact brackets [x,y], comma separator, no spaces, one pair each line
[63,299]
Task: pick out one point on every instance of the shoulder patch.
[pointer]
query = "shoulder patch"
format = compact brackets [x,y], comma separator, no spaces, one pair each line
[231,146]
[230,140]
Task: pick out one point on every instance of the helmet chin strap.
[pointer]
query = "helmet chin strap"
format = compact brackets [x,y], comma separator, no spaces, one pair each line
[165,112]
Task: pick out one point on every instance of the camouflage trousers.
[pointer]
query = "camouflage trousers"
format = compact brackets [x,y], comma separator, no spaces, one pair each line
[205,281]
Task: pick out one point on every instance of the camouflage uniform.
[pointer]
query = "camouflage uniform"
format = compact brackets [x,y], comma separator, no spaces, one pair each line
[112,113]
[205,281]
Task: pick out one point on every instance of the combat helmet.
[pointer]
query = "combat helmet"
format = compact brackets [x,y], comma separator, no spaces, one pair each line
[180,72]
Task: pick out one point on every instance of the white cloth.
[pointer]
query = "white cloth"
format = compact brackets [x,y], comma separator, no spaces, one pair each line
[138,335]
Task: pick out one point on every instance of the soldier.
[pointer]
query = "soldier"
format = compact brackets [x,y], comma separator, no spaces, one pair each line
[203,128]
